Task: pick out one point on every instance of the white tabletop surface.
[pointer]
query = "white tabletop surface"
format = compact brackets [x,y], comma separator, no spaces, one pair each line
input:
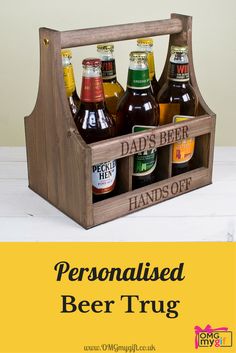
[206,214]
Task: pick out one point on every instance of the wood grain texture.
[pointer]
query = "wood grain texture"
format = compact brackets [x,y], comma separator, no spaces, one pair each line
[120,205]
[60,162]
[112,148]
[26,217]
[124,174]
[88,36]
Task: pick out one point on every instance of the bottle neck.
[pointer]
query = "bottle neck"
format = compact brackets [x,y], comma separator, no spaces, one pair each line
[108,70]
[151,65]
[69,79]
[92,88]
[138,76]
[150,59]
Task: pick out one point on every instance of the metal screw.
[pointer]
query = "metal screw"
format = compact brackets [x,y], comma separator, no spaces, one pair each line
[46,42]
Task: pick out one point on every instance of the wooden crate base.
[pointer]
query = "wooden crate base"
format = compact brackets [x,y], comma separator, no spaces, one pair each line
[150,195]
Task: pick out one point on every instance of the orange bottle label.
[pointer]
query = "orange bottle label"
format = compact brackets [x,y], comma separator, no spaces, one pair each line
[182,150]
[167,111]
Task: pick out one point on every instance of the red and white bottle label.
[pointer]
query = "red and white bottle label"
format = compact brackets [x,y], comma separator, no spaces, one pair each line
[104,177]
[92,89]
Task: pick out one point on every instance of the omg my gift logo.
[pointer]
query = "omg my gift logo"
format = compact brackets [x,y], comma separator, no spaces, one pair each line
[212,337]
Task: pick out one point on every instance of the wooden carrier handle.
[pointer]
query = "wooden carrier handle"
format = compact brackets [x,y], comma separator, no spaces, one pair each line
[81,37]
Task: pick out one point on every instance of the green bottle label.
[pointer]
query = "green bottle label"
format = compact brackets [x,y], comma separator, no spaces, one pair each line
[138,79]
[144,162]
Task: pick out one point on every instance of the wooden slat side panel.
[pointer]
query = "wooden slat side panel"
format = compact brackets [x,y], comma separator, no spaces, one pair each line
[211,147]
[115,33]
[130,144]
[76,181]
[59,160]
[36,154]
[150,195]
[201,151]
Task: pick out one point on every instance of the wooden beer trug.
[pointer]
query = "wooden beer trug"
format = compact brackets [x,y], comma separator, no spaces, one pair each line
[60,162]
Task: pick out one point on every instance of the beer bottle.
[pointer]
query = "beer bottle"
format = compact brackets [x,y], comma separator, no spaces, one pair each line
[112,88]
[69,81]
[146,44]
[138,110]
[94,124]
[178,102]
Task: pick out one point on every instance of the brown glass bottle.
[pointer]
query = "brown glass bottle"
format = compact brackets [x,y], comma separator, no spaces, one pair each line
[69,81]
[94,124]
[138,108]
[113,90]
[177,97]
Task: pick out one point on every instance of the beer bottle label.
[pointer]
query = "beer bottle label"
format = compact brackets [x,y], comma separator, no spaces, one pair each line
[104,177]
[178,72]
[182,150]
[108,69]
[69,80]
[144,162]
[138,79]
[92,89]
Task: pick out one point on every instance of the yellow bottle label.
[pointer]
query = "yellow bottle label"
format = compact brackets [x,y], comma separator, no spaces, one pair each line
[151,65]
[69,80]
[183,150]
[167,111]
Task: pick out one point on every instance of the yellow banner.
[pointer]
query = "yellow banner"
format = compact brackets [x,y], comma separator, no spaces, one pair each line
[117,297]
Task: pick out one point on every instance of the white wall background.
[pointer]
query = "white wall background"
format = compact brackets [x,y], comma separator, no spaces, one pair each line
[214,48]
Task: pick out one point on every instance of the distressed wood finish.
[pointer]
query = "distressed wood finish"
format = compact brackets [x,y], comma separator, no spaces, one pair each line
[58,159]
[150,195]
[164,135]
[60,162]
[81,37]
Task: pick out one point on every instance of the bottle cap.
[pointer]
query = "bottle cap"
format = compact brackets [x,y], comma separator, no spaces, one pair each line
[91,62]
[67,53]
[105,47]
[145,41]
[179,49]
